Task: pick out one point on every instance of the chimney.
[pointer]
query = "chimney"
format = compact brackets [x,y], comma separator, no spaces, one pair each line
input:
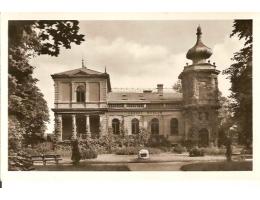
[160,88]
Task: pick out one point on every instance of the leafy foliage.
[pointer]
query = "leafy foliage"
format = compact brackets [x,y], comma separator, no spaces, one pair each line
[44,36]
[225,118]
[177,86]
[27,39]
[240,75]
[196,152]
[179,149]
[135,150]
[15,134]
[87,153]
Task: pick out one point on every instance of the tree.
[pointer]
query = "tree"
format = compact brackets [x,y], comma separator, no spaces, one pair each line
[225,120]
[240,75]
[26,103]
[177,86]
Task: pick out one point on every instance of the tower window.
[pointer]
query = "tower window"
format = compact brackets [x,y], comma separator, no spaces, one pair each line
[80,93]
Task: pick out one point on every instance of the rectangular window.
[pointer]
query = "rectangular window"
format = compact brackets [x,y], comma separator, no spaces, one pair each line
[65,92]
[94,91]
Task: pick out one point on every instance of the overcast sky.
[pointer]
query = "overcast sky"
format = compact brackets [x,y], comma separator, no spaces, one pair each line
[139,54]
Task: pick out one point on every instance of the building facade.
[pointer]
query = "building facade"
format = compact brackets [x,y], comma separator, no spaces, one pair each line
[85,105]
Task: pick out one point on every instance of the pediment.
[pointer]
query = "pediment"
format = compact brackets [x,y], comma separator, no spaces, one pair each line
[81,73]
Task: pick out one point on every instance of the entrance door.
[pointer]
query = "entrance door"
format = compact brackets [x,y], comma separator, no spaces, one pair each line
[81,125]
[66,127]
[203,137]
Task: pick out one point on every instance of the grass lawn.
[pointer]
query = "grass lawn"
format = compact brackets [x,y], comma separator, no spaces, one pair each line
[219,166]
[83,167]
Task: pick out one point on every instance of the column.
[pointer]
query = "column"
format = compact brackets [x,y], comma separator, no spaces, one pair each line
[88,126]
[74,127]
[58,127]
[102,125]
[145,124]
[122,126]
[73,96]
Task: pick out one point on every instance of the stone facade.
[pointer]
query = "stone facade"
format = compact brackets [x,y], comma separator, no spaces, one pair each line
[85,105]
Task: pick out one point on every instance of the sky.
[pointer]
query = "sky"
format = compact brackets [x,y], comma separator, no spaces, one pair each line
[139,54]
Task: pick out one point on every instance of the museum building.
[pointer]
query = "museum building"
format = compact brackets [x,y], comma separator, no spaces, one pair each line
[85,105]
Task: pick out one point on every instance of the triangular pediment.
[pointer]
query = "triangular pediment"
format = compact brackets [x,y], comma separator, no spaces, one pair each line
[81,73]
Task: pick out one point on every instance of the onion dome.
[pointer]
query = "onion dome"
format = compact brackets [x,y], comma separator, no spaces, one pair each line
[199,52]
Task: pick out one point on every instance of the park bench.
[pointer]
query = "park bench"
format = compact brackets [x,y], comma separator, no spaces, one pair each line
[20,162]
[246,156]
[45,158]
[242,156]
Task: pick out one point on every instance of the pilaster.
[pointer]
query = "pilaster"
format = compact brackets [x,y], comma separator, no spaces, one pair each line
[88,133]
[74,127]
[58,127]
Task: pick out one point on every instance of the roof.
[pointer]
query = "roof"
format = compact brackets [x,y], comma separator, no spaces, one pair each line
[78,72]
[122,97]
[83,72]
[199,50]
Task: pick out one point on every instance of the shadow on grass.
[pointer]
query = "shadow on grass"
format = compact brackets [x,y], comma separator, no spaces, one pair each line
[219,166]
[83,167]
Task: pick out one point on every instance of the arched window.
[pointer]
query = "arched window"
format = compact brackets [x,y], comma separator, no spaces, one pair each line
[155,126]
[174,126]
[135,126]
[116,126]
[80,93]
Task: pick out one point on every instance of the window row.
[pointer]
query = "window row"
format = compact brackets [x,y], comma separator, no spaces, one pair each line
[155,126]
[93,92]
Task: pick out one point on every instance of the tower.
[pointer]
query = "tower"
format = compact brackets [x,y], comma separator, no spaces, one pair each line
[200,95]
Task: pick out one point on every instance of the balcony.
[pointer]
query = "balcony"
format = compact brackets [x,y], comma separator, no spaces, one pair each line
[69,105]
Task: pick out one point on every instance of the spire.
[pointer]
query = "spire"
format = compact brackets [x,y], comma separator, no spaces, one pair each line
[199,52]
[105,69]
[199,33]
[83,63]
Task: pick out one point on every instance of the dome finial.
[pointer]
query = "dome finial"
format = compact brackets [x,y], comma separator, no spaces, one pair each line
[199,52]
[199,33]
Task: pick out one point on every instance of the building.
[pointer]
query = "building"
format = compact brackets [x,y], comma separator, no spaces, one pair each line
[86,106]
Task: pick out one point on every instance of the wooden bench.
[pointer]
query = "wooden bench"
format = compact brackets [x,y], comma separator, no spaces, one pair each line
[45,158]
[242,156]
[246,156]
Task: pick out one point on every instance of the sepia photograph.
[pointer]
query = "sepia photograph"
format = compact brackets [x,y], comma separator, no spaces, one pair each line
[130,95]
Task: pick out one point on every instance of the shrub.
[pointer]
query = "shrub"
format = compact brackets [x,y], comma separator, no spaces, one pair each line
[41,148]
[195,152]
[189,144]
[154,150]
[214,151]
[179,149]
[88,153]
[127,151]
[109,142]
[142,138]
[158,141]
[15,134]
[163,148]
[135,150]
[63,149]
[101,145]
